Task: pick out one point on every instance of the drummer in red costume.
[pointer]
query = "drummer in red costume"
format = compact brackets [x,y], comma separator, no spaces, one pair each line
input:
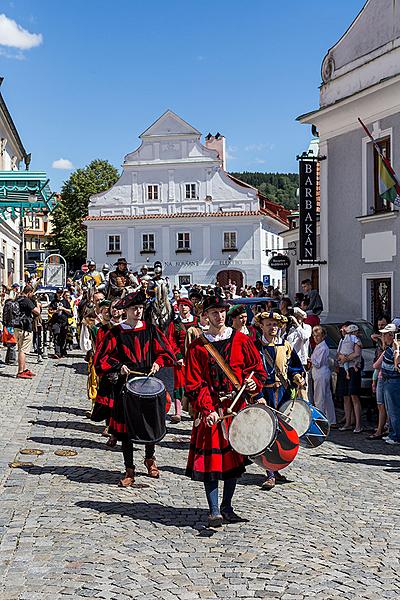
[210,456]
[177,334]
[132,346]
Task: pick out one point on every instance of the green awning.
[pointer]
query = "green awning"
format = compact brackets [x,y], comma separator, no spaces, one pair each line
[24,192]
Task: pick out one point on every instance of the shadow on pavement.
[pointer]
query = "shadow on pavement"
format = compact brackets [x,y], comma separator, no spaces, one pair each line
[79,412]
[80,367]
[87,427]
[174,445]
[359,442]
[177,431]
[74,443]
[371,462]
[77,473]
[149,511]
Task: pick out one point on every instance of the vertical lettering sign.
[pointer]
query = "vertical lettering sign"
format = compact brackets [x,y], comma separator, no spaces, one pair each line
[308,210]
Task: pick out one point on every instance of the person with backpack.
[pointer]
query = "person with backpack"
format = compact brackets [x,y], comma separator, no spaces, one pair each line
[24,310]
[8,335]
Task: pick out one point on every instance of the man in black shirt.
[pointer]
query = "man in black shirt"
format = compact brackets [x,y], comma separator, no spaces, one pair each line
[27,310]
[59,312]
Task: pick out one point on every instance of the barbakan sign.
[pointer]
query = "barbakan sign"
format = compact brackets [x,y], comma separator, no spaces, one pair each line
[308,210]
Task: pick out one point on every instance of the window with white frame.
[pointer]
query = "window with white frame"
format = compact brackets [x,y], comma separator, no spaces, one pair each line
[183,241]
[148,243]
[230,240]
[114,243]
[152,192]
[190,190]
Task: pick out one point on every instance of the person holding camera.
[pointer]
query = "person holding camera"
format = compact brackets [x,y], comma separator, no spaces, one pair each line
[59,313]
[299,334]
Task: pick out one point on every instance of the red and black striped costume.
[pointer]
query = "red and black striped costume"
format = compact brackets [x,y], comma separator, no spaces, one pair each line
[177,335]
[210,455]
[138,349]
[105,392]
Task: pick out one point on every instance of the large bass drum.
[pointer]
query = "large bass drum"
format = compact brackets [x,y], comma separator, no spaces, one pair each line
[258,432]
[145,409]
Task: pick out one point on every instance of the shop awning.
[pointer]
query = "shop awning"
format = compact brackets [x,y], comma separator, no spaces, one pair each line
[24,192]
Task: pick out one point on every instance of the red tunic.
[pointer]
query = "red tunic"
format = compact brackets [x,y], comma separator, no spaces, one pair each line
[138,349]
[105,392]
[210,454]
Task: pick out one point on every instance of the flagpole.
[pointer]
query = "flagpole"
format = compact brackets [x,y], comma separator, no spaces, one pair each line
[379,151]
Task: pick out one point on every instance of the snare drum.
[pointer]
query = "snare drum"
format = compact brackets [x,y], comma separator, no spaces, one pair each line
[145,409]
[310,423]
[258,432]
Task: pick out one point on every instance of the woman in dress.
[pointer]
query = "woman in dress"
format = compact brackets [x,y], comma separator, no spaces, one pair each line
[321,375]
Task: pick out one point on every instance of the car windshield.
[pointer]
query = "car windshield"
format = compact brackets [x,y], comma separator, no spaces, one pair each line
[365,331]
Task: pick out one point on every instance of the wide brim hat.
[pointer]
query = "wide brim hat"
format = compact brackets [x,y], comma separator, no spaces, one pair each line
[214,302]
[132,299]
[236,310]
[271,315]
[184,302]
[121,261]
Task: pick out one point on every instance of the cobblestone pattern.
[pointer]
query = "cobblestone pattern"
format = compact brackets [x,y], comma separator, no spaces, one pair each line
[67,531]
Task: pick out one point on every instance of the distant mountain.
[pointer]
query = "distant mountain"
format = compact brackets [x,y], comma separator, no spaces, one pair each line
[278,187]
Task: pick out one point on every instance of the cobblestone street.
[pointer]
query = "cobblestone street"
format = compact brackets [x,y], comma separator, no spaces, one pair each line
[68,531]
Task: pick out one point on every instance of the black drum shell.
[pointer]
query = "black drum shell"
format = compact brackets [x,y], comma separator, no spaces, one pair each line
[145,415]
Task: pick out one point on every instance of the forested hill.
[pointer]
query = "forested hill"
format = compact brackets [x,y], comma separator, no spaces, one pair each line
[278,187]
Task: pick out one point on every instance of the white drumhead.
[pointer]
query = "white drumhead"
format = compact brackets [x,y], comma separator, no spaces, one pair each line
[252,430]
[300,416]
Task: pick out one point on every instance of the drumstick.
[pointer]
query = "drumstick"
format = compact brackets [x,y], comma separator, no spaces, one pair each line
[229,410]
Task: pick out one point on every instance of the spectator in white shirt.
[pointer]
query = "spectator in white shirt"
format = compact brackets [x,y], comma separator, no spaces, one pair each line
[299,334]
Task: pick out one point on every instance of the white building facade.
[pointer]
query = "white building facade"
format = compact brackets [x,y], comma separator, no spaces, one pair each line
[12,153]
[176,204]
[359,233]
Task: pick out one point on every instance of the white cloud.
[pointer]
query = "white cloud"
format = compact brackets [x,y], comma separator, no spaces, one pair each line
[62,163]
[255,148]
[15,36]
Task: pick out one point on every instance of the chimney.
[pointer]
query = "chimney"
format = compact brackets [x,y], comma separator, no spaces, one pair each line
[217,142]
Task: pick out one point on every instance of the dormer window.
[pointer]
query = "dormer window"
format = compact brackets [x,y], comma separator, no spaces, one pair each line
[152,192]
[190,191]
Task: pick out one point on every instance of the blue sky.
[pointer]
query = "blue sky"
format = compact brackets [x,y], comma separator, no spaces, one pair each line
[98,72]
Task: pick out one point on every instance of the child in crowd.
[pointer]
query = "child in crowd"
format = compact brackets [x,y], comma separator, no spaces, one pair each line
[350,341]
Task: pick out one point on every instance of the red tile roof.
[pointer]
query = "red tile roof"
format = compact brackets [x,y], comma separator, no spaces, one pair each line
[263,212]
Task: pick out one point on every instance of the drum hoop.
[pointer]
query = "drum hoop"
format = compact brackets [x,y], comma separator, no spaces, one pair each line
[274,416]
[144,393]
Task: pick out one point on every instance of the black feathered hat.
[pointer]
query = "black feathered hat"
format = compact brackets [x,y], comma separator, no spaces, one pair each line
[214,302]
[132,299]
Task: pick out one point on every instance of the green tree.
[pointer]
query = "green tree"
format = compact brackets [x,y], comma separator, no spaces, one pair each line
[277,187]
[69,235]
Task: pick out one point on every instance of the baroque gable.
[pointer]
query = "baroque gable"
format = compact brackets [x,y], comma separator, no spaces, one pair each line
[367,53]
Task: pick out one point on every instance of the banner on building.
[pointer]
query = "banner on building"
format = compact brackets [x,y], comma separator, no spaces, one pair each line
[308,210]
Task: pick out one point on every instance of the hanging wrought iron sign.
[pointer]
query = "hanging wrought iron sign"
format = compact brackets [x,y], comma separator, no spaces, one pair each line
[279,262]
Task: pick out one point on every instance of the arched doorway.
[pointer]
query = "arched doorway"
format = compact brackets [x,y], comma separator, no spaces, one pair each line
[235,276]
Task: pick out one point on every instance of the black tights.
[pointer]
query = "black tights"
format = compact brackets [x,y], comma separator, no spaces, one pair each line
[127,451]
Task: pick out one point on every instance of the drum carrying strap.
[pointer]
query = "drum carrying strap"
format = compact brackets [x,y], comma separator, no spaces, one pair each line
[225,368]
